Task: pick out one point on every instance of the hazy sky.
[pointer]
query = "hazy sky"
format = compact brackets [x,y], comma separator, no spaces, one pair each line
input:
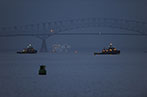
[15,12]
[19,12]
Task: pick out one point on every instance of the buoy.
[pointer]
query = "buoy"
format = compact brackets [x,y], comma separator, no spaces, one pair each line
[42,70]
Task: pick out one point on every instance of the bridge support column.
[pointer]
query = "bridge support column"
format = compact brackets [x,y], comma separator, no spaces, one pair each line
[43,46]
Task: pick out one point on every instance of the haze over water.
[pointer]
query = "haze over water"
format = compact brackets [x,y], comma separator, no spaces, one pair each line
[73,74]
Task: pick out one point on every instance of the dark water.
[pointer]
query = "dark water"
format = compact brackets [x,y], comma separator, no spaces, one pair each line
[73,75]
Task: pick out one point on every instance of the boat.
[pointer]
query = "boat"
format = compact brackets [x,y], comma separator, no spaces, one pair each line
[28,50]
[108,51]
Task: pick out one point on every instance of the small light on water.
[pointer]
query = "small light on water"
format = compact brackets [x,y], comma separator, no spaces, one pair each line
[75,51]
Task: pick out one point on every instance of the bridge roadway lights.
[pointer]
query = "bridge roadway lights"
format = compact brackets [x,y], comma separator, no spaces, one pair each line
[43,46]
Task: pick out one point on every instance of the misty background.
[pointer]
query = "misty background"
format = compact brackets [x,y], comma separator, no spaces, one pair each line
[21,12]
[73,74]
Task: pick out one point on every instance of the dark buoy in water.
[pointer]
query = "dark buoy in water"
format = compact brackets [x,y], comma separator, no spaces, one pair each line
[42,70]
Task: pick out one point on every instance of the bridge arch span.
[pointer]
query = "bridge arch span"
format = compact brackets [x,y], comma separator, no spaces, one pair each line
[47,29]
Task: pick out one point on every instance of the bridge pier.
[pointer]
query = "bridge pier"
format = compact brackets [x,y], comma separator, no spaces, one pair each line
[43,46]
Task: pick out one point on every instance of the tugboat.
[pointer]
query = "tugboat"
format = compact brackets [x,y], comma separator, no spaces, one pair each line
[28,50]
[111,51]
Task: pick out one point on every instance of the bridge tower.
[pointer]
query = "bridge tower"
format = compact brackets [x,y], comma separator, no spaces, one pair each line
[46,28]
[43,44]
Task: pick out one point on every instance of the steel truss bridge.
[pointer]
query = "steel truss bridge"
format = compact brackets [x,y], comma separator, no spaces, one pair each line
[44,30]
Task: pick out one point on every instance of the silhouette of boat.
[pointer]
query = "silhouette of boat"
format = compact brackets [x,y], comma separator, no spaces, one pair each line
[111,50]
[28,50]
